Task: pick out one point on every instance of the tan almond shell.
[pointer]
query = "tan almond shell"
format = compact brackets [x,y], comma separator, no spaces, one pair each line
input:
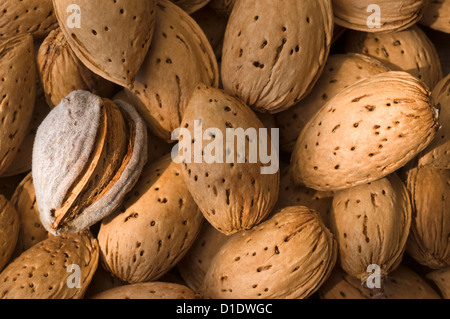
[232,196]
[196,262]
[148,290]
[190,6]
[17,95]
[42,272]
[26,16]
[155,227]
[9,184]
[214,26]
[408,50]
[64,143]
[441,278]
[61,72]
[395,15]
[288,256]
[371,223]
[294,195]
[367,131]
[113,44]
[223,7]
[157,147]
[437,15]
[437,153]
[179,58]
[402,283]
[430,193]
[9,231]
[102,281]
[272,63]
[341,71]
[31,229]
[22,161]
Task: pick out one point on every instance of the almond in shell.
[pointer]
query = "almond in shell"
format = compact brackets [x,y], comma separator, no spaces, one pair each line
[9,230]
[148,290]
[437,15]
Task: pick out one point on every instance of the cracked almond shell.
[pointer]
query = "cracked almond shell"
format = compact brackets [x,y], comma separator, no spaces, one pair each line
[232,196]
[288,256]
[154,228]
[42,272]
[61,72]
[365,132]
[428,242]
[180,57]
[371,223]
[17,95]
[272,63]
[88,153]
[114,36]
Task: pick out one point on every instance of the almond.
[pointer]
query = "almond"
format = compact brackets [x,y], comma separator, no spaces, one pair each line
[9,230]
[430,193]
[148,290]
[272,63]
[437,153]
[195,263]
[88,153]
[402,283]
[232,196]
[45,270]
[341,71]
[154,228]
[112,45]
[31,229]
[409,50]
[394,16]
[61,72]
[26,16]
[441,278]
[288,256]
[371,223]
[437,15]
[179,58]
[191,6]
[17,95]
[367,131]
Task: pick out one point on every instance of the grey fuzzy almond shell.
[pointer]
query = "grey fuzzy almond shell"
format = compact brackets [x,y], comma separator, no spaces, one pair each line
[191,6]
[232,196]
[371,223]
[263,55]
[437,153]
[408,50]
[61,72]
[340,71]
[148,290]
[42,272]
[430,193]
[288,256]
[365,132]
[437,16]
[9,230]
[17,95]
[111,45]
[155,227]
[402,283]
[179,58]
[26,16]
[62,149]
[394,16]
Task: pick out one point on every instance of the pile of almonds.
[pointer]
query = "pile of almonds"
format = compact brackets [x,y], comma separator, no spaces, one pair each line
[97,203]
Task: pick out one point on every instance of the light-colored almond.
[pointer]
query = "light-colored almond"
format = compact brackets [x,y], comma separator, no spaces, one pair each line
[441,278]
[437,15]
[148,290]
